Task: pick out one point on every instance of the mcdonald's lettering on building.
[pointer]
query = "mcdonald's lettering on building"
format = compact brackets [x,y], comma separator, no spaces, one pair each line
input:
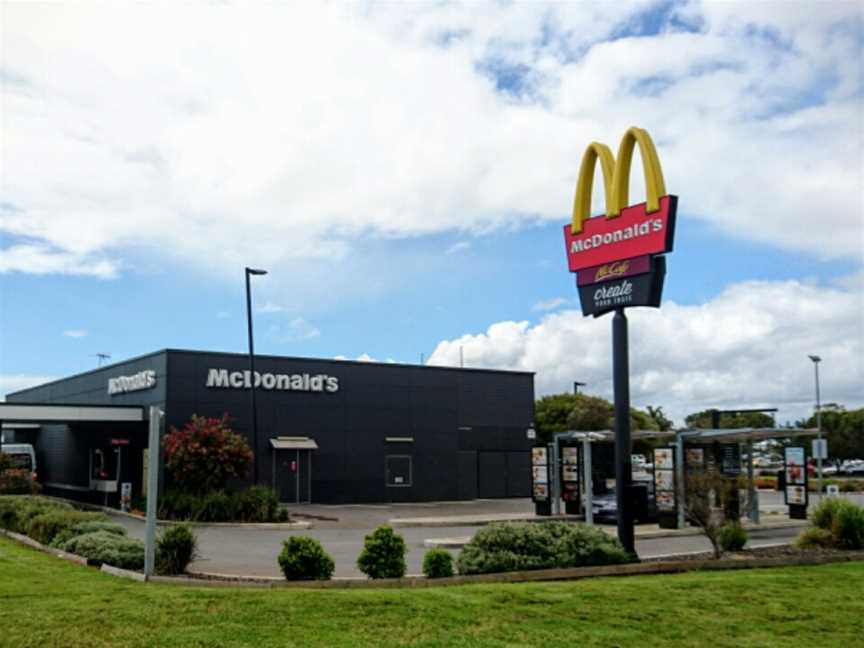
[624,231]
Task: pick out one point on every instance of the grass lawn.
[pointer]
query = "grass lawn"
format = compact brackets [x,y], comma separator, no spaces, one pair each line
[45,601]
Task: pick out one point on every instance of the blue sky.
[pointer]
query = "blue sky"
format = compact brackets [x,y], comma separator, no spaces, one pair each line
[404,176]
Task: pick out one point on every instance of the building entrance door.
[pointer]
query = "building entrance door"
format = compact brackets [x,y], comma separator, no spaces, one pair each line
[293,476]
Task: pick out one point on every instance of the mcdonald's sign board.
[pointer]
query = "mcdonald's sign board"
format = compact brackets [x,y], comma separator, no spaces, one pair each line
[627,239]
[643,289]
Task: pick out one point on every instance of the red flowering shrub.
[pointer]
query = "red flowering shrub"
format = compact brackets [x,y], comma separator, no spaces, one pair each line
[205,454]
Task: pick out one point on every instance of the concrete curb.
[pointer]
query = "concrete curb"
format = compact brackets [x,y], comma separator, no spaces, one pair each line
[540,575]
[123,573]
[30,542]
[474,520]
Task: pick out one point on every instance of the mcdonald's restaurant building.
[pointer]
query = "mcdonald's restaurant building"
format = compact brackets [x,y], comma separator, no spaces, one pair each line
[329,431]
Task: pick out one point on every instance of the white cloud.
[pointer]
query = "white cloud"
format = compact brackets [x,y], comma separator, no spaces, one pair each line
[15,382]
[270,307]
[296,330]
[75,333]
[549,304]
[365,357]
[746,348]
[459,246]
[286,133]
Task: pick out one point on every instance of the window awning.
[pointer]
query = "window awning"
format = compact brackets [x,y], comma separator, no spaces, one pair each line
[293,443]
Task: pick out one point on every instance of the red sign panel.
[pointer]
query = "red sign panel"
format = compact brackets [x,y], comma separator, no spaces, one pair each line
[614,270]
[633,233]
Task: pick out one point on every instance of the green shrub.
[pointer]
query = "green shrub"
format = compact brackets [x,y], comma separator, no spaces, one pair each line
[87,527]
[383,554]
[175,549]
[257,504]
[438,563]
[848,527]
[303,558]
[813,538]
[16,511]
[511,546]
[107,548]
[732,537]
[43,527]
[825,512]
[216,507]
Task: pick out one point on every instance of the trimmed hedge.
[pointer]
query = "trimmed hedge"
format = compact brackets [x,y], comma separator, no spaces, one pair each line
[87,527]
[16,511]
[303,558]
[383,554]
[255,504]
[42,528]
[517,546]
[107,548]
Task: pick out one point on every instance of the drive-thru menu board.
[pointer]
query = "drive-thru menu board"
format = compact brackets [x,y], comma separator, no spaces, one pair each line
[570,474]
[664,479]
[796,476]
[540,474]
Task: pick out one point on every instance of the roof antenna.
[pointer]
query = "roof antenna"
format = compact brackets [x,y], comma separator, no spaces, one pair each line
[102,356]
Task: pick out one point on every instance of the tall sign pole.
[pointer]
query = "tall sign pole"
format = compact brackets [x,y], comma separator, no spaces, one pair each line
[619,263]
[623,458]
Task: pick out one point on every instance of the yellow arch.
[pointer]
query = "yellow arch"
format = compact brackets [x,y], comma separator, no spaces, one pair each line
[585,182]
[654,185]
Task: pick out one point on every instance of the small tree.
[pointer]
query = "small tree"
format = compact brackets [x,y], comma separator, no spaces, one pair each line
[703,504]
[205,454]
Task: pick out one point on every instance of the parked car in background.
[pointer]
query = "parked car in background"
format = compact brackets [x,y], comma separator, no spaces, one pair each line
[23,457]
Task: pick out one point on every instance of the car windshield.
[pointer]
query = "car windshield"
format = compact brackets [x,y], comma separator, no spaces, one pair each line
[21,461]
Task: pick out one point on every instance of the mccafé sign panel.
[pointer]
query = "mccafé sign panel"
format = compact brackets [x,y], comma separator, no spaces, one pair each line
[644,289]
[615,255]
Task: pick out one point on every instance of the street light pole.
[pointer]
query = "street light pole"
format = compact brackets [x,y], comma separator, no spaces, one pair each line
[577,385]
[816,360]
[254,412]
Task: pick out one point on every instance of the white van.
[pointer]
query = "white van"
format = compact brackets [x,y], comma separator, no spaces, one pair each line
[23,456]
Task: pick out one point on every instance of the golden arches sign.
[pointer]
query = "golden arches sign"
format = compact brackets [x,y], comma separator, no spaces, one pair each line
[616,176]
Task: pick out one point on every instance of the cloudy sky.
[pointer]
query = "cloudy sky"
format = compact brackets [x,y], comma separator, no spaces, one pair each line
[403,172]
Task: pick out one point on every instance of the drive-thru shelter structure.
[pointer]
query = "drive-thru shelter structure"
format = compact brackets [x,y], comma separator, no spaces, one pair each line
[329,431]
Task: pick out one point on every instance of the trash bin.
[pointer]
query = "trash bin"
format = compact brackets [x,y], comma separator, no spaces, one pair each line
[638,495]
[781,480]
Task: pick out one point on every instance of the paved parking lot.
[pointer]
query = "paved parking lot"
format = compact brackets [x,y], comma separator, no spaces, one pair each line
[341,530]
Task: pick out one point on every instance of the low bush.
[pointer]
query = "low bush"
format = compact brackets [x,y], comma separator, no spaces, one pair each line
[852,486]
[813,538]
[438,563]
[848,527]
[257,504]
[383,554]
[87,527]
[512,546]
[176,547]
[733,537]
[843,519]
[16,511]
[43,527]
[107,548]
[303,558]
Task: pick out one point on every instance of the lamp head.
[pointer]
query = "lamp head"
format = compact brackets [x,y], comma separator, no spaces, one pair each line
[815,358]
[253,271]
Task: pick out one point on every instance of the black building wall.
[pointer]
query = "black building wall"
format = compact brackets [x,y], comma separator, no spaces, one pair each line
[468,426]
